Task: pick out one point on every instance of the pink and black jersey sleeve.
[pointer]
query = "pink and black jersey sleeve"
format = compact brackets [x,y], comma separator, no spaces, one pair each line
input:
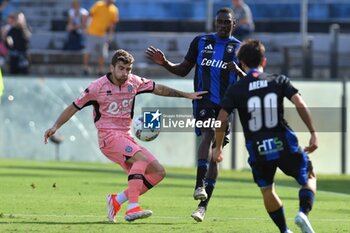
[144,85]
[87,97]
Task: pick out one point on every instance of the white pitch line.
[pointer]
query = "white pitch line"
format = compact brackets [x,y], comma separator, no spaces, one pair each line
[169,217]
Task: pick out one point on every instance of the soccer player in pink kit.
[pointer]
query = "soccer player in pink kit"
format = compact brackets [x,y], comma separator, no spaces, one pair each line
[112,97]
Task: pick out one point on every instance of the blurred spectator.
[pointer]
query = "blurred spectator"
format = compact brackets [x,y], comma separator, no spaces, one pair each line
[244,20]
[17,35]
[104,15]
[3,4]
[77,17]
[3,49]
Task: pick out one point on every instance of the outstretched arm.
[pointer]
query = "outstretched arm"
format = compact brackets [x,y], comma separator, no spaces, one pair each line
[167,91]
[233,67]
[63,118]
[158,57]
[219,135]
[305,115]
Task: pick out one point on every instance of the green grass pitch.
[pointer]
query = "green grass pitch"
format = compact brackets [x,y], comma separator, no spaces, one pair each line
[70,197]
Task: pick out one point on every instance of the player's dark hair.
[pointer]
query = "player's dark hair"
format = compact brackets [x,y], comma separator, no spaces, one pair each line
[122,55]
[251,53]
[226,10]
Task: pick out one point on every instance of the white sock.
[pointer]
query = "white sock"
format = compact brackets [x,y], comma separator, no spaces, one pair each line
[121,198]
[132,205]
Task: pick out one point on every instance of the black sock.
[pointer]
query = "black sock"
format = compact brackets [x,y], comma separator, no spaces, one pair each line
[202,168]
[306,200]
[279,219]
[210,184]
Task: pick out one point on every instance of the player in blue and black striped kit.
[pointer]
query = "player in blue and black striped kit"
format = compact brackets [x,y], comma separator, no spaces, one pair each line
[270,141]
[214,56]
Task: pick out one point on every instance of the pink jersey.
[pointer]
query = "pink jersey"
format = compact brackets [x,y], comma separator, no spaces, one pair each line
[113,105]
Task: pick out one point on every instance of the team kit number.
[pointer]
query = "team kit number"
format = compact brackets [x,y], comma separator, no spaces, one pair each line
[269,109]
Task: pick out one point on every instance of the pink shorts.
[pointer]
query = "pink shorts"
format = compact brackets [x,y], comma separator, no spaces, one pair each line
[118,147]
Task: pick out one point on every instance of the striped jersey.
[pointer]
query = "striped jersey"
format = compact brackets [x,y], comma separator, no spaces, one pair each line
[211,55]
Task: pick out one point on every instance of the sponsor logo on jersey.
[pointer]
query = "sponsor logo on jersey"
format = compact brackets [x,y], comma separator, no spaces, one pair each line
[209,47]
[122,107]
[270,145]
[214,63]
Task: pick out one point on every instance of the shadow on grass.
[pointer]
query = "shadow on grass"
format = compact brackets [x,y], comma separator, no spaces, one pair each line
[25,175]
[340,185]
[65,169]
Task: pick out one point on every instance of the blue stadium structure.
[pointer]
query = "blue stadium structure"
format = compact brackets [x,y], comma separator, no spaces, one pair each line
[146,22]
[183,15]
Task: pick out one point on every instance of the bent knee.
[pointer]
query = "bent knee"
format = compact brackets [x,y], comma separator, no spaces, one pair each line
[267,190]
[156,168]
[161,172]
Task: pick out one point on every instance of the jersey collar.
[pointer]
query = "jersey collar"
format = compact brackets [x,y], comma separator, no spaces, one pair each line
[219,39]
[254,72]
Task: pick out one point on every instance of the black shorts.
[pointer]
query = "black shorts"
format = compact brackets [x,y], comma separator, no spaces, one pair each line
[205,109]
[296,165]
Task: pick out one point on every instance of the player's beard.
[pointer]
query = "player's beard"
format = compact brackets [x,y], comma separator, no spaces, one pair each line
[119,80]
[122,79]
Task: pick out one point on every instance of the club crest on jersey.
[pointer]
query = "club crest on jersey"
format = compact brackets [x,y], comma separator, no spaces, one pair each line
[202,112]
[129,88]
[128,149]
[229,48]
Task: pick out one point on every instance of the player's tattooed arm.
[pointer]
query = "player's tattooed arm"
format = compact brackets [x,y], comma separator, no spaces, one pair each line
[167,91]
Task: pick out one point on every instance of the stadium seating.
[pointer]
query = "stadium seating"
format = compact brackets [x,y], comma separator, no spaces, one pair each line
[273,20]
[51,14]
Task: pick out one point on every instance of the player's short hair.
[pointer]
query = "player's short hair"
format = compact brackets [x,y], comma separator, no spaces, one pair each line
[251,53]
[226,10]
[123,56]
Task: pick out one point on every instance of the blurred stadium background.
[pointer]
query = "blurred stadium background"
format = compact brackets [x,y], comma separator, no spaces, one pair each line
[319,67]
